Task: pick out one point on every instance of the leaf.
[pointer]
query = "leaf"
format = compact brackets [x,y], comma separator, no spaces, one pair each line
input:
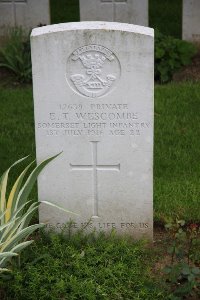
[191,277]
[14,193]
[159,52]
[28,216]
[3,186]
[26,189]
[177,250]
[4,270]
[16,222]
[6,225]
[19,236]
[7,254]
[186,270]
[3,192]
[21,246]
[168,226]
[82,253]
[196,270]
[170,250]
[59,207]
[167,270]
[8,234]
[3,214]
[181,222]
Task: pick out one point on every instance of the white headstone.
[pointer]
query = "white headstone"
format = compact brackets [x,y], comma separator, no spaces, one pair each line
[127,11]
[93,96]
[191,20]
[25,13]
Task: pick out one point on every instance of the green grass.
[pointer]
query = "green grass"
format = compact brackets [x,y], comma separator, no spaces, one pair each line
[165,15]
[177,144]
[17,130]
[177,151]
[64,11]
[17,125]
[87,268]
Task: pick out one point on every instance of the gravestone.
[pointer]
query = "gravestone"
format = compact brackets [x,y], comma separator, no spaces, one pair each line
[25,13]
[127,11]
[191,20]
[93,98]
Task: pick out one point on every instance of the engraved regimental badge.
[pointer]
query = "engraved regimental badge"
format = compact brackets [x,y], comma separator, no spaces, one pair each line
[92,70]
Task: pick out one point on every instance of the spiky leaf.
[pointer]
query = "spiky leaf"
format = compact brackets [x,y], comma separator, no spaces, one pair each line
[14,193]
[26,189]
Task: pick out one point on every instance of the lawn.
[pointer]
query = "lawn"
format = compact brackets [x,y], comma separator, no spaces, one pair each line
[176,147]
[177,151]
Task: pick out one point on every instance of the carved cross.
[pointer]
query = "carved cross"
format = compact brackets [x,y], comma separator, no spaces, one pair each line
[95,167]
[117,1]
[13,3]
[114,3]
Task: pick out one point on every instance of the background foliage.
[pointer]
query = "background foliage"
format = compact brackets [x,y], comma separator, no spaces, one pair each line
[15,56]
[164,15]
[170,55]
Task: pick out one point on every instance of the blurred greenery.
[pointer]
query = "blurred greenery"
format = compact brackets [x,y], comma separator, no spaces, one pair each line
[165,15]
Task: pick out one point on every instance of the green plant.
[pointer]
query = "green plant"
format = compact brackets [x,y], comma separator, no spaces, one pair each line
[182,272]
[16,55]
[170,55]
[84,267]
[16,212]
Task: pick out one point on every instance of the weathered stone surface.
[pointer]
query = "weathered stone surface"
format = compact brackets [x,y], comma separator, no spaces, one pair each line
[191,20]
[93,96]
[25,13]
[127,11]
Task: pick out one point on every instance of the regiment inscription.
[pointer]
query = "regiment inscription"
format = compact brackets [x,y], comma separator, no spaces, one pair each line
[93,120]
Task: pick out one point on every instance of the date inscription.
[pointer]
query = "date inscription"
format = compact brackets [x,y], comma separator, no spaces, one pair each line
[93,120]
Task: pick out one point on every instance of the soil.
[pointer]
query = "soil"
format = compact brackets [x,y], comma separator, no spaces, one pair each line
[190,72]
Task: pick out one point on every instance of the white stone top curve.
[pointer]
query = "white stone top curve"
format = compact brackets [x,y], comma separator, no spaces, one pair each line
[92,25]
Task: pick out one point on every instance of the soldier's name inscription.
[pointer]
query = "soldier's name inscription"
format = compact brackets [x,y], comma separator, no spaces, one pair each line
[93,119]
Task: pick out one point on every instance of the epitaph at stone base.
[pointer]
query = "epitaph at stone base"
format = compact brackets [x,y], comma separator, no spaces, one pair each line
[93,98]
